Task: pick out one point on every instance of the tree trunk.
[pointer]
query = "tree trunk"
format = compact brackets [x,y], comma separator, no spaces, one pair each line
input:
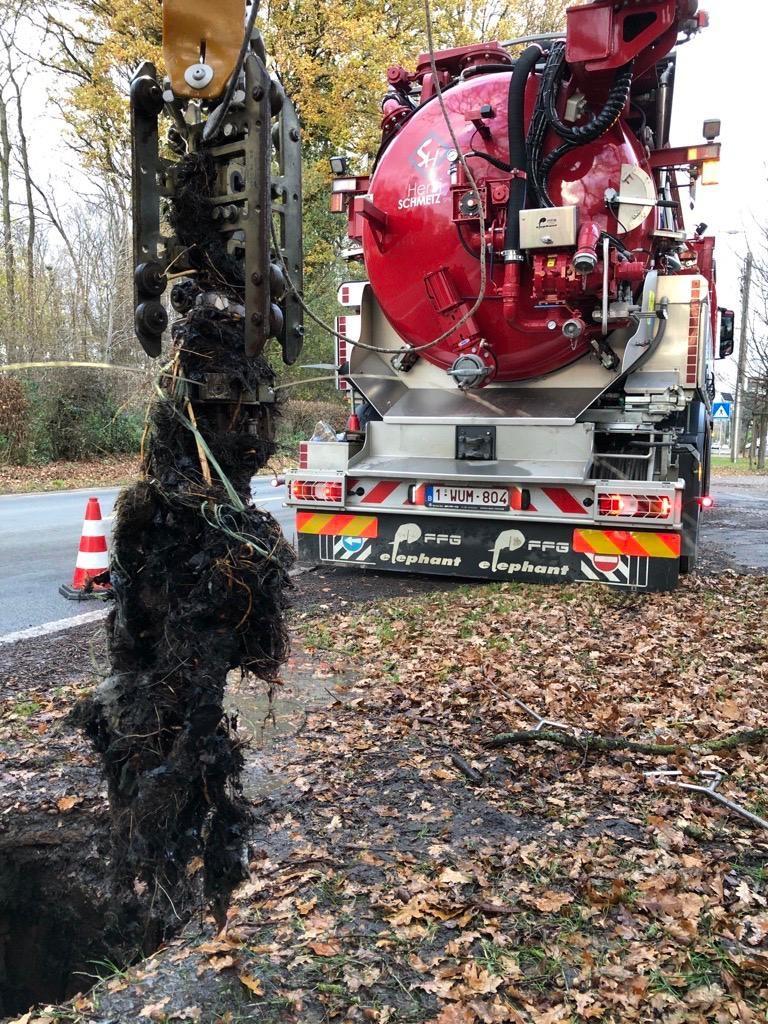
[8,252]
[763,441]
[31,221]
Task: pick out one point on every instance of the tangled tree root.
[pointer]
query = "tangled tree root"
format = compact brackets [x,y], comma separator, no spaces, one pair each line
[199,579]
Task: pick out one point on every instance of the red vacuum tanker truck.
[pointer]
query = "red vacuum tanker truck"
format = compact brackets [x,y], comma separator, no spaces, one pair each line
[530,353]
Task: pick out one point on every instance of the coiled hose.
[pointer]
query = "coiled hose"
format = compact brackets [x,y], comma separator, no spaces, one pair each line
[578,134]
[546,116]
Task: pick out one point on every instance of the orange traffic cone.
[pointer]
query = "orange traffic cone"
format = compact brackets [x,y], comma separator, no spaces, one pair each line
[92,558]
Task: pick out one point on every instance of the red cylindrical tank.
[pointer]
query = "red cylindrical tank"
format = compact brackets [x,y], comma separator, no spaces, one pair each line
[424,266]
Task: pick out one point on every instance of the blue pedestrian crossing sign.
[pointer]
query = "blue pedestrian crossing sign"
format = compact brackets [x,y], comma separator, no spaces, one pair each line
[721,410]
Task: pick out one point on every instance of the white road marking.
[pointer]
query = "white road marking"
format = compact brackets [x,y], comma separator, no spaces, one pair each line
[53,627]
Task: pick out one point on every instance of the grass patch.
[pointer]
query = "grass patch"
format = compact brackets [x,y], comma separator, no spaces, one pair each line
[722,466]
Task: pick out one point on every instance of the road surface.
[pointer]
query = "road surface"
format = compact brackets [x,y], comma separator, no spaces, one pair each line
[735,531]
[39,537]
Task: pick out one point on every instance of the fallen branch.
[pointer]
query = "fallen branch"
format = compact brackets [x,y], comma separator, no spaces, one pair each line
[466,769]
[590,741]
[663,777]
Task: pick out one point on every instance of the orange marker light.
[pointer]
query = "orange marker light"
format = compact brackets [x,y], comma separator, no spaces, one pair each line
[710,172]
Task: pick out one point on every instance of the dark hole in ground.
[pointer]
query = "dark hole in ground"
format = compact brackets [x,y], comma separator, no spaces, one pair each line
[57,929]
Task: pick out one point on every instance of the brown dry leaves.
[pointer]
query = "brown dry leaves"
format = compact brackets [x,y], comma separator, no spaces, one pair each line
[625,900]
[560,889]
[109,471]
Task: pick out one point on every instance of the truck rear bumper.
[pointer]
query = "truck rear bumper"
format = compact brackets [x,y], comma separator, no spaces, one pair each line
[524,551]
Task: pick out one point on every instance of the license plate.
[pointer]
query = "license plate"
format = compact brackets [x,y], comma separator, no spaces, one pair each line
[468,497]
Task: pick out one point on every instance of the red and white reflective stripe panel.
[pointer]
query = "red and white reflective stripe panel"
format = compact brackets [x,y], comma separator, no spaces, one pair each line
[694,328]
[547,501]
[342,351]
[351,293]
[387,493]
[92,556]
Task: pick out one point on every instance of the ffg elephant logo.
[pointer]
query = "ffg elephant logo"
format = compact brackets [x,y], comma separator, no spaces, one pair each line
[408,533]
[508,540]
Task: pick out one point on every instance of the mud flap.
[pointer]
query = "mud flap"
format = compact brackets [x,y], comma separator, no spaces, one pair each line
[492,549]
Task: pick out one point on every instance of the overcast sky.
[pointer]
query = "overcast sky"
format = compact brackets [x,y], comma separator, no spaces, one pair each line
[721,74]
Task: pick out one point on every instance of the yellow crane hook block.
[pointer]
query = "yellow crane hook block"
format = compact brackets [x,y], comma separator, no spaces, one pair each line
[201,43]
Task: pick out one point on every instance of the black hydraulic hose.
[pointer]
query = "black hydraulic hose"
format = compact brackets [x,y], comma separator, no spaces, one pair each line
[600,123]
[492,160]
[518,157]
[547,164]
[215,121]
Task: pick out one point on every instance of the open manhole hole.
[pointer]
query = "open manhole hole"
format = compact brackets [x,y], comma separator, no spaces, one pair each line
[56,937]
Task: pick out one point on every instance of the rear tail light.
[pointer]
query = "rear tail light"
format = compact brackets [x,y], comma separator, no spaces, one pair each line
[330,491]
[635,506]
[706,501]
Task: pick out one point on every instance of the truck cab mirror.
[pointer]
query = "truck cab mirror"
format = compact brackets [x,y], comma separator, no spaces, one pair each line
[727,319]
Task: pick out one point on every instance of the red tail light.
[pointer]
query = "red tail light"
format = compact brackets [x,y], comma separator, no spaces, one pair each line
[317,491]
[707,501]
[635,506]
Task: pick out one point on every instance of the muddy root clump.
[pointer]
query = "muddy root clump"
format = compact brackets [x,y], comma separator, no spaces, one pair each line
[199,578]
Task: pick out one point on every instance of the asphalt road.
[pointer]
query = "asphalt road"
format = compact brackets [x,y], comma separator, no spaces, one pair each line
[39,537]
[735,532]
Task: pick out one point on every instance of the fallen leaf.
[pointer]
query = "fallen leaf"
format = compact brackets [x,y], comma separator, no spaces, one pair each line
[551,901]
[155,1010]
[729,709]
[194,866]
[188,1013]
[455,1014]
[331,948]
[221,963]
[357,979]
[66,803]
[450,877]
[253,984]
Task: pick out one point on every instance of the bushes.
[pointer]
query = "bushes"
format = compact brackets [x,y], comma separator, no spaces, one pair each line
[299,416]
[14,419]
[82,414]
[78,414]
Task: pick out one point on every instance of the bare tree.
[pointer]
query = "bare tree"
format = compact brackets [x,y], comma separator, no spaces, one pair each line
[756,391]
[31,224]
[9,255]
